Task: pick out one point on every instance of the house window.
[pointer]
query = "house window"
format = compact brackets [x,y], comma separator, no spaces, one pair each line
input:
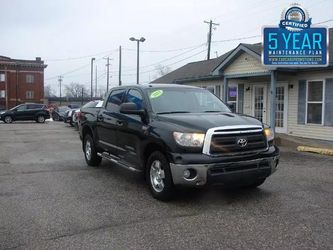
[30,78]
[29,95]
[2,77]
[2,93]
[314,102]
[232,98]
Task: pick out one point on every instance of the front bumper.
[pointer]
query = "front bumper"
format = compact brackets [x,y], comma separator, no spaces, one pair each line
[230,172]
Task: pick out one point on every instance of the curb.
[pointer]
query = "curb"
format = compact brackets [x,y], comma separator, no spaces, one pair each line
[322,151]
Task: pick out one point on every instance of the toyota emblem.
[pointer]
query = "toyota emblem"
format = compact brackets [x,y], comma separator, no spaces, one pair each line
[242,142]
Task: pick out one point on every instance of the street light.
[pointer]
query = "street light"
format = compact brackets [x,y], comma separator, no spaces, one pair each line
[91,72]
[142,39]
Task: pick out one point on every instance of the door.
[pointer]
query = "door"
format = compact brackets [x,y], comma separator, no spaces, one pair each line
[259,102]
[108,122]
[281,108]
[132,131]
[21,113]
[232,97]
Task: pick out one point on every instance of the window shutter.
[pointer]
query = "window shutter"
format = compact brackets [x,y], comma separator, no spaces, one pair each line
[328,116]
[240,97]
[301,102]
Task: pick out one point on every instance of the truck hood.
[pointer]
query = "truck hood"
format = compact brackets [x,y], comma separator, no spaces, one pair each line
[205,121]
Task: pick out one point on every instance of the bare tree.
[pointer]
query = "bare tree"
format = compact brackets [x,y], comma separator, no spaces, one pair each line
[162,70]
[48,91]
[76,90]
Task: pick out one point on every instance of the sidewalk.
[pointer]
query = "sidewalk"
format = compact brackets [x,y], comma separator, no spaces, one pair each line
[305,144]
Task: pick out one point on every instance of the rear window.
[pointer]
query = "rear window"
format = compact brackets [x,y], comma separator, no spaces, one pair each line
[90,104]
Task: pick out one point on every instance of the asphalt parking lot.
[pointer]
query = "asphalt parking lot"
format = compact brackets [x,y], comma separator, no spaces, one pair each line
[50,199]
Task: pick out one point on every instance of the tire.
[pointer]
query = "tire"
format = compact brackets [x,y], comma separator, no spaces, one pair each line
[55,117]
[158,177]
[255,184]
[40,119]
[71,123]
[90,152]
[8,119]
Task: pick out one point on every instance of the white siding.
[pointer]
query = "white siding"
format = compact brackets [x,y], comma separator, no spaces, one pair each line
[245,63]
[307,130]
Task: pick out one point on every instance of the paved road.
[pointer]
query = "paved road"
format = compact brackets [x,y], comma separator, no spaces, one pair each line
[50,199]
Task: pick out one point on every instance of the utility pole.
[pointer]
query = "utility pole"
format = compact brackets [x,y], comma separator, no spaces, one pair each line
[91,78]
[60,80]
[209,40]
[107,74]
[96,81]
[119,65]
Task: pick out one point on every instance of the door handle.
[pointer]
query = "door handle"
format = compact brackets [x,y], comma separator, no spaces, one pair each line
[119,123]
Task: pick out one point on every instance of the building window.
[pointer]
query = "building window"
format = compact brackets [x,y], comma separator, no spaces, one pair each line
[232,97]
[30,78]
[29,95]
[2,77]
[314,102]
[2,93]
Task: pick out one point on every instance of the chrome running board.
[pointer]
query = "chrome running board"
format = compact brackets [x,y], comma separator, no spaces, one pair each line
[115,160]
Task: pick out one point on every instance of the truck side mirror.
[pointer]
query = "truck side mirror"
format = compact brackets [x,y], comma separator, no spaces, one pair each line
[130,108]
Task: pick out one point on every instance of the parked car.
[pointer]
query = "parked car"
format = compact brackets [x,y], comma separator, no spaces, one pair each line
[89,109]
[68,117]
[179,135]
[59,113]
[26,112]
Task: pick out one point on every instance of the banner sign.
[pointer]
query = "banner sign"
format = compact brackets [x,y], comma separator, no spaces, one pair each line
[294,43]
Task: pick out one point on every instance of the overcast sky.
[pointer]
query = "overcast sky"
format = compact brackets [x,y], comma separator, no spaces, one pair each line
[67,33]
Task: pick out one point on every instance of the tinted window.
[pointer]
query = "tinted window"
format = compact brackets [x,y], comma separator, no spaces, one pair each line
[115,99]
[21,108]
[135,96]
[34,106]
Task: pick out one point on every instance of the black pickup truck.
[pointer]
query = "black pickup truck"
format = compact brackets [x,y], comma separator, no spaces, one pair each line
[178,135]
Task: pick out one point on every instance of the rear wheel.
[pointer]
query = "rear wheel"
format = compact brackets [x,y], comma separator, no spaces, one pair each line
[90,152]
[40,119]
[8,119]
[158,176]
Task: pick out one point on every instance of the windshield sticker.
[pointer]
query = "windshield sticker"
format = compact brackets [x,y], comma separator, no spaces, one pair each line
[156,94]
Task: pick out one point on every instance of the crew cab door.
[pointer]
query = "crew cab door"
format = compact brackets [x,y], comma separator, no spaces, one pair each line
[131,133]
[108,122]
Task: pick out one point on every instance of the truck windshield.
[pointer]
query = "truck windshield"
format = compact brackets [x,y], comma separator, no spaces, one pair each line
[184,100]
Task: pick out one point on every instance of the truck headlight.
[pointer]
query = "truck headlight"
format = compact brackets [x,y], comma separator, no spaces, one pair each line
[269,133]
[189,139]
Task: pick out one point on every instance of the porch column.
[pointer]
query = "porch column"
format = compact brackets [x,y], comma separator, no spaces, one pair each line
[225,90]
[273,99]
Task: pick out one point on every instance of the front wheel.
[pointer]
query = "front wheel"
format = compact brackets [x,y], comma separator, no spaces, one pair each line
[158,176]
[90,152]
[8,119]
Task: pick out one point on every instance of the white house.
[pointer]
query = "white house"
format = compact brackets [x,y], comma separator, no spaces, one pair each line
[303,96]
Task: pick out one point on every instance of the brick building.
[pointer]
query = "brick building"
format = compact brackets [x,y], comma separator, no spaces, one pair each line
[21,81]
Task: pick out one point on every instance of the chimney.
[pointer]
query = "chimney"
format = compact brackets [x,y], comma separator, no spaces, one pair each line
[38,59]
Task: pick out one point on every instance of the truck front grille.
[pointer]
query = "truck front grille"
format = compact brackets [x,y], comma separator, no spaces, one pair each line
[233,140]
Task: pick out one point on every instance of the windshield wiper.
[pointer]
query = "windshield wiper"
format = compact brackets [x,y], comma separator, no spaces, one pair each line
[212,111]
[172,112]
